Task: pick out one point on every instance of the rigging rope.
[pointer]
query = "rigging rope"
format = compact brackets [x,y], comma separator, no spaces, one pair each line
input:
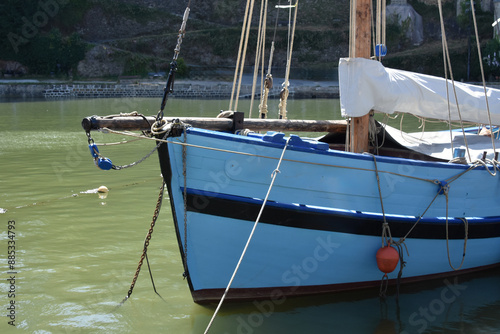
[384,21]
[169,87]
[482,71]
[240,63]
[118,142]
[387,240]
[373,25]
[259,52]
[284,92]
[466,237]
[495,164]
[268,82]
[386,231]
[448,67]
[273,175]
[352,28]
[184,193]
[238,58]
[447,64]
[378,28]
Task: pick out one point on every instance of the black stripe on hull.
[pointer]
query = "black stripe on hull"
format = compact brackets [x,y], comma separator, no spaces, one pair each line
[353,223]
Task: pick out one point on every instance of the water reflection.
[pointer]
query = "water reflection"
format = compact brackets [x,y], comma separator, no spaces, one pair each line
[464,304]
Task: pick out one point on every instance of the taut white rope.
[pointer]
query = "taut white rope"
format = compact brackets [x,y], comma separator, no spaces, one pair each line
[273,175]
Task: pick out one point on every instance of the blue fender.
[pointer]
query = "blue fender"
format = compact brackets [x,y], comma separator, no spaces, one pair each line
[104,163]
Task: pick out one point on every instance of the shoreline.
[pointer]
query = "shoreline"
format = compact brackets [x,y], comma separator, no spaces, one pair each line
[192,89]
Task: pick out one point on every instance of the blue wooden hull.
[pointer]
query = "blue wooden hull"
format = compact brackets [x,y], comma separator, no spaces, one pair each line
[322,225]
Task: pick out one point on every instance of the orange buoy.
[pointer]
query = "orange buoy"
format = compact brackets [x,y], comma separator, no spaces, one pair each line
[387,259]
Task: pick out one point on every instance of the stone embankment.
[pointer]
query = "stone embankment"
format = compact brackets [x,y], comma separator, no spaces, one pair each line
[182,89]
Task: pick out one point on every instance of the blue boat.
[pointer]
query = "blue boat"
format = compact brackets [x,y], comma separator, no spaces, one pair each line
[323,221]
[273,215]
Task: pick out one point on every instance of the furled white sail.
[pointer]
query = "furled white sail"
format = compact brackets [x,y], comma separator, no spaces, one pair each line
[367,85]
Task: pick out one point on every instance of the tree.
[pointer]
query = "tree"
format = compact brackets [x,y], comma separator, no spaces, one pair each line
[51,53]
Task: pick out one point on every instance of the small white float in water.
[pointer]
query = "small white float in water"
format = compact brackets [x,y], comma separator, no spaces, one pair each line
[103,192]
[102,189]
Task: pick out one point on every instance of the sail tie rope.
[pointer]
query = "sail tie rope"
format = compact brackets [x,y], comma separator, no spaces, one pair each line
[273,178]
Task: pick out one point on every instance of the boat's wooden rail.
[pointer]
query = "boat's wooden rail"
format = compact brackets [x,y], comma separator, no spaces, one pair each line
[139,123]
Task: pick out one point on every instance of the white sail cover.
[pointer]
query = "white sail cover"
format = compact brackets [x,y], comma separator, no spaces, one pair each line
[367,85]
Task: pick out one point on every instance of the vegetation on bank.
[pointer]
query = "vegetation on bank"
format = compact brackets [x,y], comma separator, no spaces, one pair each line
[50,37]
[41,36]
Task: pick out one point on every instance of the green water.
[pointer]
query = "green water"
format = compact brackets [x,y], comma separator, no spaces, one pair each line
[76,254]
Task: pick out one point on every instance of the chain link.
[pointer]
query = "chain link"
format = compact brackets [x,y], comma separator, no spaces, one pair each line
[146,241]
[138,161]
[89,138]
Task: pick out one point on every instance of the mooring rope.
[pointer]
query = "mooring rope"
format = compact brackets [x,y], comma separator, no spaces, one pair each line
[273,175]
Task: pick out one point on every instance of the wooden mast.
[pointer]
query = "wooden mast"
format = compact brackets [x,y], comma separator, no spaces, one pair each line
[358,129]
